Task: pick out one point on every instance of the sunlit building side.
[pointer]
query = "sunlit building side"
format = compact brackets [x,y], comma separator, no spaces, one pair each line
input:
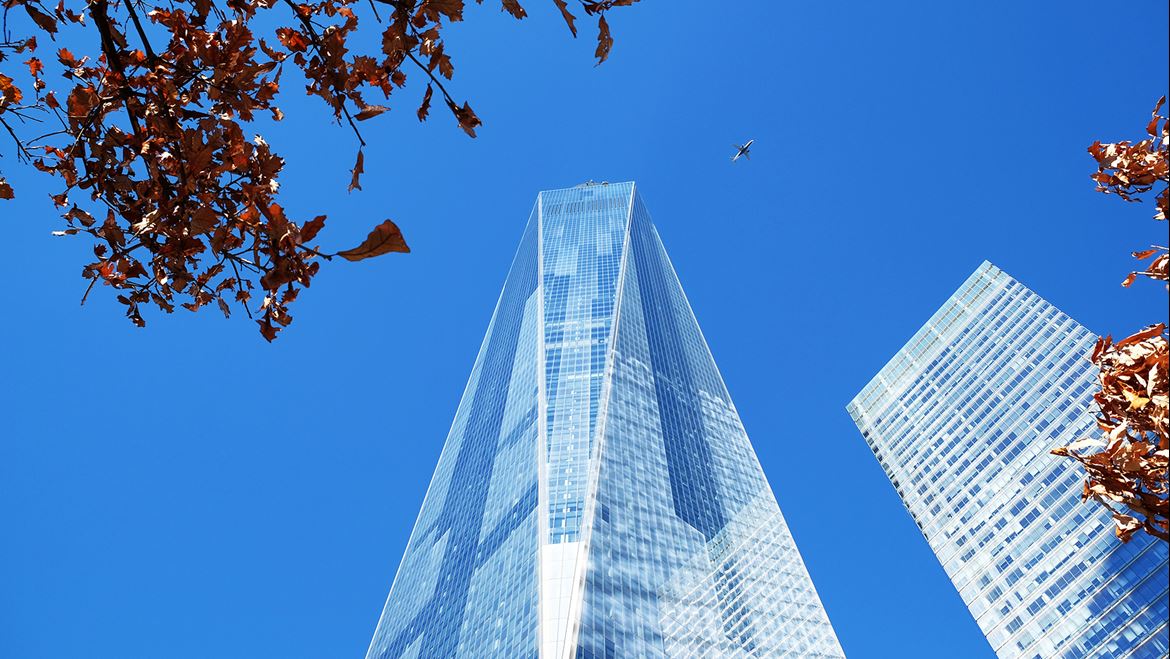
[962,420]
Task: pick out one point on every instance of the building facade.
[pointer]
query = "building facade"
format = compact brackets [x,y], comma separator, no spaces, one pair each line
[597,495]
[962,420]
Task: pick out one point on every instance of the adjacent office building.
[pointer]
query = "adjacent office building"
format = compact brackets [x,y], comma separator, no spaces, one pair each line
[597,495]
[962,420]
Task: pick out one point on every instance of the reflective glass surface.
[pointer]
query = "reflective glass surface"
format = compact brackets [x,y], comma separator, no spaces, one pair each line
[597,495]
[467,584]
[962,420]
[689,555]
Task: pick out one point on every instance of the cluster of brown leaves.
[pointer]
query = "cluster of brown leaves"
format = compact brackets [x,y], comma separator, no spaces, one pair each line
[1129,475]
[148,132]
[1130,472]
[1130,171]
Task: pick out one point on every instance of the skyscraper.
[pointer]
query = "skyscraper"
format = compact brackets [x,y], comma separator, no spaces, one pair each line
[962,420]
[597,495]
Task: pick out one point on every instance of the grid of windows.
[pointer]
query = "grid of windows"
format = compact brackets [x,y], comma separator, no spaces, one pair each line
[467,585]
[689,555]
[962,420]
[582,233]
[597,495]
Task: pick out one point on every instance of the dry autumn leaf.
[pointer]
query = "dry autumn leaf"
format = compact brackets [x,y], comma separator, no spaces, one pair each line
[311,228]
[357,171]
[425,108]
[370,111]
[604,40]
[385,238]
[570,20]
[43,20]
[513,7]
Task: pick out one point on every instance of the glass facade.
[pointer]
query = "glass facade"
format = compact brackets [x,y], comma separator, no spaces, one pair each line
[962,420]
[597,495]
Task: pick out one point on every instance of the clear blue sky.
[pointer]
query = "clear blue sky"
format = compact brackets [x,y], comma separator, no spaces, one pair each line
[189,491]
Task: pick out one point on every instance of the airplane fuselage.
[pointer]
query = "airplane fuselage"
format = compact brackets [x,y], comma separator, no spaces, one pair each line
[743,150]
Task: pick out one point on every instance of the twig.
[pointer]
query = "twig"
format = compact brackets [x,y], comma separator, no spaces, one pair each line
[22,154]
[141,33]
[88,289]
[316,41]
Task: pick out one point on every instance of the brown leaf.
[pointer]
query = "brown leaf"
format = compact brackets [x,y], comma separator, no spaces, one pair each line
[466,117]
[358,169]
[446,68]
[1136,402]
[570,19]
[43,20]
[1152,127]
[67,58]
[312,228]
[203,220]
[267,330]
[385,238]
[277,277]
[425,108]
[293,40]
[1142,335]
[604,40]
[6,190]
[513,7]
[452,9]
[1126,526]
[1160,268]
[370,111]
[9,93]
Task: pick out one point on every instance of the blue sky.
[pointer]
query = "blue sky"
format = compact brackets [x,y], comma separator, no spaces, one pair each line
[189,491]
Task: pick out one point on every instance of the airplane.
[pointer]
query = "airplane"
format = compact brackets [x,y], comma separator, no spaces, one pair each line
[743,150]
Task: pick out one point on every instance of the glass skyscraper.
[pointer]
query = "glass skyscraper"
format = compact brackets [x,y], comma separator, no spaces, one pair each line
[597,495]
[962,420]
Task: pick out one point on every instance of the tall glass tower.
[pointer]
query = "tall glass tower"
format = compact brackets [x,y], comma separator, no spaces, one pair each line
[597,495]
[962,420]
